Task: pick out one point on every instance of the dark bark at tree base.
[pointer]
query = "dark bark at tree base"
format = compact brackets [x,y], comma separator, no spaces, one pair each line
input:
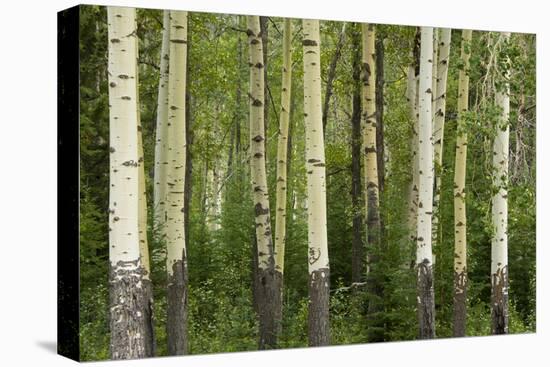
[269,307]
[128,312]
[318,308]
[499,302]
[425,300]
[176,320]
[150,343]
[375,309]
[459,303]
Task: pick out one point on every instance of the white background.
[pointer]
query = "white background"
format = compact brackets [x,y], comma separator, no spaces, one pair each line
[28,182]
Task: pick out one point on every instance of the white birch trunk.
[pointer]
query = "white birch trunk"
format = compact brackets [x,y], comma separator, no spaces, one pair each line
[499,243]
[282,146]
[426,307]
[460,260]
[444,46]
[128,322]
[161,150]
[176,259]
[319,271]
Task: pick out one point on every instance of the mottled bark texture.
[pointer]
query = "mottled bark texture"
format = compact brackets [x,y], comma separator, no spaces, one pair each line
[461,151]
[357,246]
[130,307]
[332,74]
[318,308]
[268,299]
[176,326]
[318,267]
[425,287]
[499,243]
[425,300]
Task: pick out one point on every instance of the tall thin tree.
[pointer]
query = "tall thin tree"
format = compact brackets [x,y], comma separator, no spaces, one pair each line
[268,292]
[161,163]
[461,150]
[176,259]
[425,286]
[319,270]
[440,93]
[282,159]
[128,300]
[499,243]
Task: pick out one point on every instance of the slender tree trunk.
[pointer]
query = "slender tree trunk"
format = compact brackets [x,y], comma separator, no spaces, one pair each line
[499,243]
[319,271]
[161,150]
[282,159]
[440,93]
[128,300]
[371,182]
[176,260]
[460,260]
[380,148]
[332,74]
[268,296]
[412,101]
[425,287]
[357,260]
[142,226]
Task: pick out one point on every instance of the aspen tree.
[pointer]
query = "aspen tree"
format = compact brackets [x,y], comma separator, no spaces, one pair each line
[412,101]
[357,247]
[268,293]
[425,287]
[372,214]
[142,224]
[128,322]
[319,271]
[176,259]
[499,243]
[460,258]
[161,149]
[440,93]
[282,150]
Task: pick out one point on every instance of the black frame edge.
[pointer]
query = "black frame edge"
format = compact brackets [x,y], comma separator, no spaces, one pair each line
[68,188]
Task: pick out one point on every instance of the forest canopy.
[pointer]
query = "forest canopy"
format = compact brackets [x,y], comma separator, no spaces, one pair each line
[300,182]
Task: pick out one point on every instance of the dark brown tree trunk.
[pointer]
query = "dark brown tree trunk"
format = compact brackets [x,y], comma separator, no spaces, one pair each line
[318,308]
[380,82]
[357,245]
[176,321]
[269,305]
[425,302]
[129,302]
[459,303]
[499,302]
[331,75]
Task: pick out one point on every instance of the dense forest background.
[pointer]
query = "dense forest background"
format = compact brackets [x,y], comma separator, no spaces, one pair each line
[220,238]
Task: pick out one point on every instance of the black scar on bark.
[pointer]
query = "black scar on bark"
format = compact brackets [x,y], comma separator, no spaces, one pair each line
[129,311]
[459,303]
[259,210]
[254,41]
[425,300]
[499,302]
[176,321]
[318,308]
[308,42]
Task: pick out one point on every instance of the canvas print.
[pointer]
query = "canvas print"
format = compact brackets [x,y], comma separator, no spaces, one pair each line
[245,183]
